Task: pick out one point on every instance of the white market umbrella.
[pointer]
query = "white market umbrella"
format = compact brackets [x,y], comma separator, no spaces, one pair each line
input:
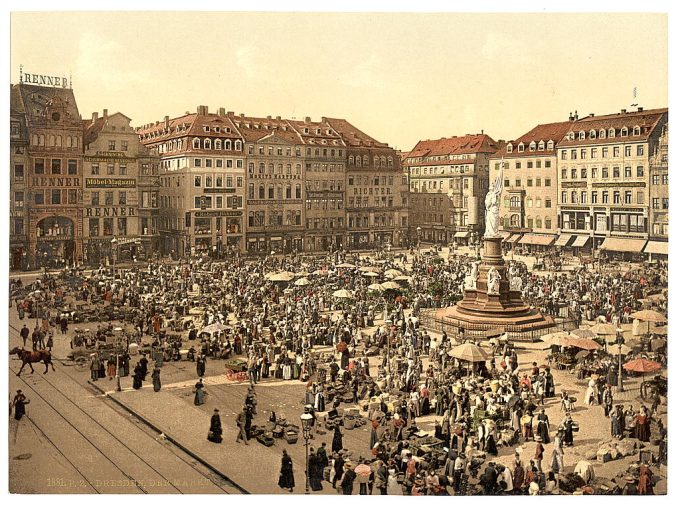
[302,282]
[343,294]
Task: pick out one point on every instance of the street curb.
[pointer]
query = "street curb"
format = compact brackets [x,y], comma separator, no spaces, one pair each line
[170,438]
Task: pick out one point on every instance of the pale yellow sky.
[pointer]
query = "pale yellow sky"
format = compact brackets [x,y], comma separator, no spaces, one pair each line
[399,77]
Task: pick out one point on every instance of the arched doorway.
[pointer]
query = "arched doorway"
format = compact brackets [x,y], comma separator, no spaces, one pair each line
[55,242]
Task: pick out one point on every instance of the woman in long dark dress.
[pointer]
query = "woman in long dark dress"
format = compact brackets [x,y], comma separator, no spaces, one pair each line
[337,439]
[19,404]
[543,427]
[156,378]
[567,424]
[215,433]
[286,478]
[199,393]
[315,472]
[137,378]
[642,430]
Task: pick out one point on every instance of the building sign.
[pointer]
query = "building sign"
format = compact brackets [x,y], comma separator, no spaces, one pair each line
[323,195]
[628,184]
[102,156]
[123,211]
[219,190]
[206,214]
[575,184]
[42,80]
[110,183]
[44,181]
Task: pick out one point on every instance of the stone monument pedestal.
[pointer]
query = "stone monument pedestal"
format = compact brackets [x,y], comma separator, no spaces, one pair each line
[482,309]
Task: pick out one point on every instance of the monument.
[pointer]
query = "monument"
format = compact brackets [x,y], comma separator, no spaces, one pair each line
[492,299]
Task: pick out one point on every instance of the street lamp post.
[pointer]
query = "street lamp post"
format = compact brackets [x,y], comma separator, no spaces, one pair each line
[114,251]
[619,342]
[306,419]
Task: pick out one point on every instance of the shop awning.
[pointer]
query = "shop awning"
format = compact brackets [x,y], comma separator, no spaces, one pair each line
[505,234]
[537,239]
[580,241]
[563,239]
[252,240]
[633,245]
[657,247]
[276,238]
[461,234]
[512,238]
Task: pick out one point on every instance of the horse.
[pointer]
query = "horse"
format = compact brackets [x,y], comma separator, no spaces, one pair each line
[36,356]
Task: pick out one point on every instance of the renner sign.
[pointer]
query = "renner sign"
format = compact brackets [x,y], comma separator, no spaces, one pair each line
[39,79]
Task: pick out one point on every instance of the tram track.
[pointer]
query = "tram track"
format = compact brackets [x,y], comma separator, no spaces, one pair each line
[218,482]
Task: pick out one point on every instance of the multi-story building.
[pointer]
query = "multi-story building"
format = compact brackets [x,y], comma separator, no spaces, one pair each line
[275,184]
[19,164]
[529,198]
[52,173]
[604,178]
[376,190]
[202,183]
[448,180]
[120,191]
[658,197]
[324,182]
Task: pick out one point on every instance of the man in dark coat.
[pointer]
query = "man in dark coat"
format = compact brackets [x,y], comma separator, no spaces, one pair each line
[337,439]
[347,481]
[144,363]
[215,433]
[24,334]
[338,465]
[489,478]
[286,477]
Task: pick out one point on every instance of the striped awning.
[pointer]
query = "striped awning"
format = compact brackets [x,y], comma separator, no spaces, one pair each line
[580,241]
[537,239]
[657,247]
[513,238]
[563,239]
[461,234]
[632,245]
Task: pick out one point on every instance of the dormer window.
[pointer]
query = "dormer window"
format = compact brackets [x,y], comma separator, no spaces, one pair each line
[206,129]
[603,133]
[216,129]
[329,132]
[571,136]
[532,146]
[624,131]
[541,146]
[318,131]
[509,148]
[551,145]
[306,130]
[227,130]
[612,132]
[581,135]
[636,131]
[592,134]
[520,147]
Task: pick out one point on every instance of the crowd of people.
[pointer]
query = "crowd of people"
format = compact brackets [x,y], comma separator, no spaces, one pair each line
[323,332]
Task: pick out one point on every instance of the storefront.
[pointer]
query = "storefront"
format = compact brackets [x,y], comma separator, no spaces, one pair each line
[623,248]
[55,242]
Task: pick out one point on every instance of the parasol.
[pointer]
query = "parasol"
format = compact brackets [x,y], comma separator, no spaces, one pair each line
[558,338]
[319,272]
[469,352]
[582,354]
[642,365]
[402,278]
[660,330]
[583,333]
[657,344]
[583,343]
[375,287]
[649,316]
[369,268]
[392,273]
[214,328]
[284,276]
[370,274]
[603,329]
[363,470]
[302,282]
[343,294]
[391,285]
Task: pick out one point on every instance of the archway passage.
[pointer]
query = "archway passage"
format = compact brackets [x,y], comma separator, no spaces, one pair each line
[55,245]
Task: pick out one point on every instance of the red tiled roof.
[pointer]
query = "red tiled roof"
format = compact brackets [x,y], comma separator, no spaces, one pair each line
[352,136]
[544,132]
[476,143]
[92,129]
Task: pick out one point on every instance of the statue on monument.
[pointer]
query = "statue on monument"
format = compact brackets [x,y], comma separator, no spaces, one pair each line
[493,281]
[471,279]
[493,204]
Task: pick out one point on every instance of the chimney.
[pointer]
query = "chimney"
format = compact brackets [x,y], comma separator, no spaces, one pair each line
[202,110]
[230,113]
[242,115]
[482,132]
[591,115]
[623,111]
[571,116]
[269,117]
[94,117]
[575,114]
[220,111]
[278,118]
[167,121]
[640,109]
[105,113]
[308,119]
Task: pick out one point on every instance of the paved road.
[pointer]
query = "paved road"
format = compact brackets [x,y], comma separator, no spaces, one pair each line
[76,441]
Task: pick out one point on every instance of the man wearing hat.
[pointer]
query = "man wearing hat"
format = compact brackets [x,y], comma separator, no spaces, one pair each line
[347,480]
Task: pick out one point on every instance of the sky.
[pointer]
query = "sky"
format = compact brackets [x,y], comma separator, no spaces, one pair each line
[400,77]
